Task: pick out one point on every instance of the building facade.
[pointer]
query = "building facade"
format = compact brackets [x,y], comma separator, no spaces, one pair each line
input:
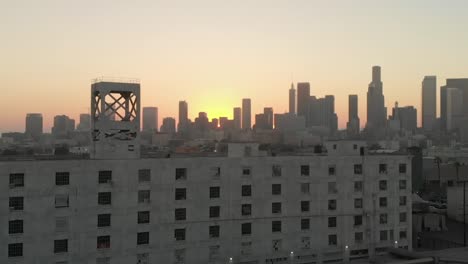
[150,119]
[246,114]
[34,125]
[245,206]
[428,104]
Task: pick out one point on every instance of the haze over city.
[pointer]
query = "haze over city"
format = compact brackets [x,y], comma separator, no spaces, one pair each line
[212,54]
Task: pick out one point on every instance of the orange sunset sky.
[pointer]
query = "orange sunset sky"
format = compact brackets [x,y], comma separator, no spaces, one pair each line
[214,53]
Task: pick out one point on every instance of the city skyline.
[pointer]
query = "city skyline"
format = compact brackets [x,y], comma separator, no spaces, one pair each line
[214,65]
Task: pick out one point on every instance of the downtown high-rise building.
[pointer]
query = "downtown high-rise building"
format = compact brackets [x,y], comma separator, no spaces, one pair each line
[85,123]
[265,120]
[376,110]
[63,125]
[183,116]
[34,126]
[303,101]
[353,125]
[454,105]
[428,102]
[246,114]
[292,99]
[168,125]
[237,116]
[150,119]
[462,85]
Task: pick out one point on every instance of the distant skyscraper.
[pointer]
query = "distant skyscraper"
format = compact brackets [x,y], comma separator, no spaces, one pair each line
[376,111]
[62,126]
[150,119]
[183,116]
[428,104]
[454,105]
[353,125]
[322,112]
[246,114]
[265,120]
[168,125]
[303,100]
[407,117]
[292,100]
[443,107]
[85,123]
[268,112]
[34,125]
[237,118]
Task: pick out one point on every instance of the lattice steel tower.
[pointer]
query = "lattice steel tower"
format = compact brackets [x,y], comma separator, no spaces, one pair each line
[115,122]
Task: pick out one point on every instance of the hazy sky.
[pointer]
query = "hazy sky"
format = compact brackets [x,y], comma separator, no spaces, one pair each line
[214,53]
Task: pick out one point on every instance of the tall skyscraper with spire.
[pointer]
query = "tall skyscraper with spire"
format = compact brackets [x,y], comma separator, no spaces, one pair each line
[376,110]
[292,99]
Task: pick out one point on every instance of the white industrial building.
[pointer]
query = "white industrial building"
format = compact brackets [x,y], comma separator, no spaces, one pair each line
[243,206]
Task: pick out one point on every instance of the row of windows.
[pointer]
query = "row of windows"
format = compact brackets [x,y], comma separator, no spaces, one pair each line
[144,175]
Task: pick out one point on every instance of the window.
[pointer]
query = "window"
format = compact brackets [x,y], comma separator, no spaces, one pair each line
[180,174]
[15,227]
[403,234]
[104,220]
[16,180]
[246,229]
[214,192]
[305,188]
[144,196]
[331,221]
[276,245]
[402,200]
[275,226]
[143,238]
[213,253]
[180,193]
[358,203]
[62,178]
[61,200]
[103,242]
[402,217]
[179,255]
[357,220]
[383,201]
[16,203]
[143,217]
[383,235]
[332,240]
[214,231]
[276,171]
[103,260]
[180,214]
[305,224]
[61,246]
[179,234]
[246,190]
[246,171]
[331,170]
[144,175]
[215,172]
[105,176]
[402,184]
[305,206]
[305,242]
[358,186]
[61,224]
[15,250]
[383,219]
[276,208]
[276,189]
[357,168]
[402,167]
[305,170]
[246,248]
[383,185]
[215,211]
[354,146]
[104,198]
[246,209]
[332,188]
[331,204]
[358,237]
[383,168]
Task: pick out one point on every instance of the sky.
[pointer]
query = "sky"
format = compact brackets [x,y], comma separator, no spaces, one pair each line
[213,53]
